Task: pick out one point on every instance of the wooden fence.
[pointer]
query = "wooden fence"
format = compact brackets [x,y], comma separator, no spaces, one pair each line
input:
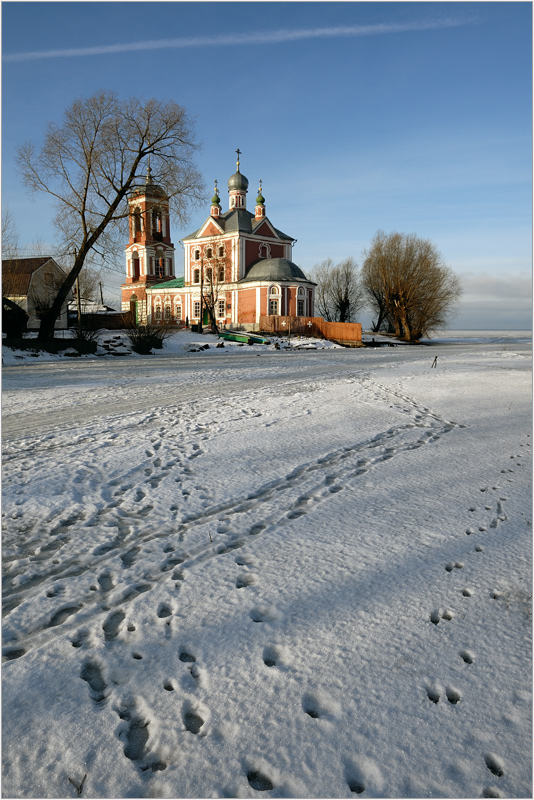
[312,326]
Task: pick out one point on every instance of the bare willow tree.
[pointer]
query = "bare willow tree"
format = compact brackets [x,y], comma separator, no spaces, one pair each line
[409,287]
[338,294]
[91,162]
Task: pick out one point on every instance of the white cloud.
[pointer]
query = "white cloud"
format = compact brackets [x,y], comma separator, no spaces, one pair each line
[485,287]
[226,40]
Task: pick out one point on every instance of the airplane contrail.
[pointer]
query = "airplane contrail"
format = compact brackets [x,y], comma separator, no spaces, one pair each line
[226,40]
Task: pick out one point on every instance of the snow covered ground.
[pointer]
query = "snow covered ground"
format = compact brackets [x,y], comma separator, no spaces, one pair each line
[244,572]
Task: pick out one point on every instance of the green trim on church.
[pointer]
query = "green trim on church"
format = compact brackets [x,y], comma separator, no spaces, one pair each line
[176,283]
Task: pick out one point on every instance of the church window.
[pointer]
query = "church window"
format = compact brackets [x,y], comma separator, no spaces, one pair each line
[158,313]
[221,305]
[209,274]
[196,309]
[209,252]
[300,308]
[178,311]
[273,307]
[160,267]
[221,274]
[221,251]
[196,276]
[136,224]
[157,224]
[265,251]
[167,313]
[135,266]
[274,290]
[301,290]
[196,255]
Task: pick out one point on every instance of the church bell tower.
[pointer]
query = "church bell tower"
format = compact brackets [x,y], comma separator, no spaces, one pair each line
[150,251]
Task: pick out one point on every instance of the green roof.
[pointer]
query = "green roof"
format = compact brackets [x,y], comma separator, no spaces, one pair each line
[176,283]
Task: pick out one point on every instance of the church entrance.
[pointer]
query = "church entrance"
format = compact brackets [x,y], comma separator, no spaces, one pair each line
[133,309]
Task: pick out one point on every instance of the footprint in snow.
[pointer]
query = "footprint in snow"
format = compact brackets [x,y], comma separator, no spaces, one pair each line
[259,781]
[494,764]
[271,656]
[80,639]
[129,557]
[433,693]
[491,791]
[92,673]
[164,610]
[111,625]
[467,656]
[453,695]
[439,614]
[192,717]
[64,613]
[186,658]
[106,582]
[245,579]
[263,614]
[11,653]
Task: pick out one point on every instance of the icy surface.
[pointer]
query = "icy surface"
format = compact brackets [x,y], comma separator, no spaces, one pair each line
[243,572]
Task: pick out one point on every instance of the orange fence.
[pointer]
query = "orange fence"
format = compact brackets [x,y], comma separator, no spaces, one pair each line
[312,326]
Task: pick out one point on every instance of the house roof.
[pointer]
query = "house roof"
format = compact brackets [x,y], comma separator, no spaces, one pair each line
[17,274]
[275,269]
[238,220]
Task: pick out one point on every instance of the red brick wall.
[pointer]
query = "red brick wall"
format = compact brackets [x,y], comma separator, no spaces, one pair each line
[246,306]
[252,251]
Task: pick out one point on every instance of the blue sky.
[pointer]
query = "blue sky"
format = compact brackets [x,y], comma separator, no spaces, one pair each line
[413,117]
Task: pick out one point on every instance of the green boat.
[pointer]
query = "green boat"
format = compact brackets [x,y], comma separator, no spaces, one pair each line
[246,338]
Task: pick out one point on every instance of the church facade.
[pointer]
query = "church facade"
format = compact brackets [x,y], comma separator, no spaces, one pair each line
[237,265]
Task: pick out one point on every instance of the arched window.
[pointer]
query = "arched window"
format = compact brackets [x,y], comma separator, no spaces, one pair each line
[196,276]
[178,311]
[209,274]
[157,224]
[136,224]
[274,290]
[160,265]
[157,313]
[221,250]
[209,252]
[135,266]
[196,255]
[168,314]
[221,274]
[265,251]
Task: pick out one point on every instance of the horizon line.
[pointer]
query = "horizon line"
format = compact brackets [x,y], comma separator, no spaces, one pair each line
[225,40]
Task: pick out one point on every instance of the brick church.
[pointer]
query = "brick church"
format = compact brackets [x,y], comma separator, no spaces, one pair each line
[237,265]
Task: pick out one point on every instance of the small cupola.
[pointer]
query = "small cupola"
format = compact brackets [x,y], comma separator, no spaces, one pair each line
[260,205]
[237,187]
[216,203]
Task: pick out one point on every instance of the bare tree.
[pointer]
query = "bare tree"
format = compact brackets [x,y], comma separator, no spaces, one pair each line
[10,239]
[338,295]
[408,285]
[91,162]
[212,282]
[321,274]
